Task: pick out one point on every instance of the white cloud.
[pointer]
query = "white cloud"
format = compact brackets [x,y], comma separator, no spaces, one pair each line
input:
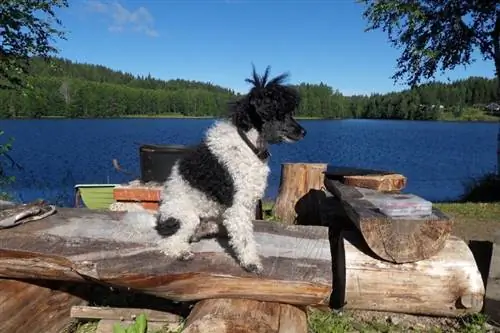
[123,19]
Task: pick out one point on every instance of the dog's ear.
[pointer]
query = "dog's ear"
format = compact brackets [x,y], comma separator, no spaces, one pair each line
[239,113]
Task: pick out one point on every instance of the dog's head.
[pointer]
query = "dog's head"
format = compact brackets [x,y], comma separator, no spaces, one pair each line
[269,107]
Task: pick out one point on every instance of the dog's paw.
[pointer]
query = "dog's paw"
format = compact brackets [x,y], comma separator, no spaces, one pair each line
[255,268]
[186,256]
[194,239]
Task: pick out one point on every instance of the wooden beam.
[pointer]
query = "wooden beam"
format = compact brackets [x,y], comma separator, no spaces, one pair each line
[398,240]
[99,312]
[378,180]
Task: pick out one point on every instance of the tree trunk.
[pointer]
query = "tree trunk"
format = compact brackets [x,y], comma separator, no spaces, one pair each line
[300,193]
[245,316]
[398,240]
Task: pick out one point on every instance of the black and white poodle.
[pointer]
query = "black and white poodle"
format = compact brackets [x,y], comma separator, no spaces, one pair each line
[223,178]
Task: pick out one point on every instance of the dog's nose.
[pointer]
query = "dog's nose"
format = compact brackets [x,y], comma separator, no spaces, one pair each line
[303,132]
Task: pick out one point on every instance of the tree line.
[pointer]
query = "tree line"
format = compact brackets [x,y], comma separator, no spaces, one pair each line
[62,88]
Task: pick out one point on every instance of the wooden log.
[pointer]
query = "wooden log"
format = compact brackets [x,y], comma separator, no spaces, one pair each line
[102,246]
[448,284]
[300,193]
[43,307]
[398,240]
[245,316]
[105,247]
[378,180]
[99,312]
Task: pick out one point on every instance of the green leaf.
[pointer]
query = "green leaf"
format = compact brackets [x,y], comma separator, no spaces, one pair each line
[117,328]
[141,323]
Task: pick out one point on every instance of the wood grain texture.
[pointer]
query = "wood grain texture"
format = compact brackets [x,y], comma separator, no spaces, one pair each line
[300,194]
[243,316]
[99,312]
[105,247]
[398,240]
[380,183]
[81,245]
[448,284]
[41,308]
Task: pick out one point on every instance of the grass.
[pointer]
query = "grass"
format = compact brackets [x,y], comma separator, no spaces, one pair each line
[321,322]
[472,210]
[469,114]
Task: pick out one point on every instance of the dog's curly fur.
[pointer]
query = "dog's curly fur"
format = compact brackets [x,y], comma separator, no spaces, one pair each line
[222,179]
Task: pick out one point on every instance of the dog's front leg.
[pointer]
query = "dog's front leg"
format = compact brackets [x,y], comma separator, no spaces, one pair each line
[238,221]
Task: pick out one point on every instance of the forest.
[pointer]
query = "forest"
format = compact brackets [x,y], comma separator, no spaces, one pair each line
[62,88]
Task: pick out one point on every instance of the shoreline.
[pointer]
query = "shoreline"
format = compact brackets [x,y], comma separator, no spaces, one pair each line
[178,116]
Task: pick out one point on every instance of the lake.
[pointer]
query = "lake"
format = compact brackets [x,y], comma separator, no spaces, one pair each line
[438,158]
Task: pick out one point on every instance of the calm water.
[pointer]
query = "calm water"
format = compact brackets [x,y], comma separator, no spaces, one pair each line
[437,157]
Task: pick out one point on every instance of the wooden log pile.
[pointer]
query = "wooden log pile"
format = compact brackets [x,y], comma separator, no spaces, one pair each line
[354,259]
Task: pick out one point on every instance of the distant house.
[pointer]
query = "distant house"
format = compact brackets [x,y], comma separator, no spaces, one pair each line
[493,108]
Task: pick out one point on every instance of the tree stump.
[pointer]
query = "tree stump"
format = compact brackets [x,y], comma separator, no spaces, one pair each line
[245,316]
[300,193]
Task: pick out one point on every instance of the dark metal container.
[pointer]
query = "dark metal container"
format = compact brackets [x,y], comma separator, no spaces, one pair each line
[156,161]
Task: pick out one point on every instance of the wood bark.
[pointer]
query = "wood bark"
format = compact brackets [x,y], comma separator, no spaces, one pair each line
[43,307]
[113,249]
[300,193]
[378,180]
[397,240]
[245,316]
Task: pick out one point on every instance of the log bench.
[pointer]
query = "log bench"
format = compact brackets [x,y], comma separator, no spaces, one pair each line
[302,267]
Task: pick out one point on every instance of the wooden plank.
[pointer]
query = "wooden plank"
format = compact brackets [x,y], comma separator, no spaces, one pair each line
[448,284]
[398,240]
[43,307]
[98,312]
[83,245]
[384,181]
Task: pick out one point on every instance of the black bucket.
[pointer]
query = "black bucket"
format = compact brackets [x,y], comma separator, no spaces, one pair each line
[157,160]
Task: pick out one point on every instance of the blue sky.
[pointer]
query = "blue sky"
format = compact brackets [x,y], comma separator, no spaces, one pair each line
[216,41]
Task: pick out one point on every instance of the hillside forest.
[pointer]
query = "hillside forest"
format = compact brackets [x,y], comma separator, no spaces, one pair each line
[62,88]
